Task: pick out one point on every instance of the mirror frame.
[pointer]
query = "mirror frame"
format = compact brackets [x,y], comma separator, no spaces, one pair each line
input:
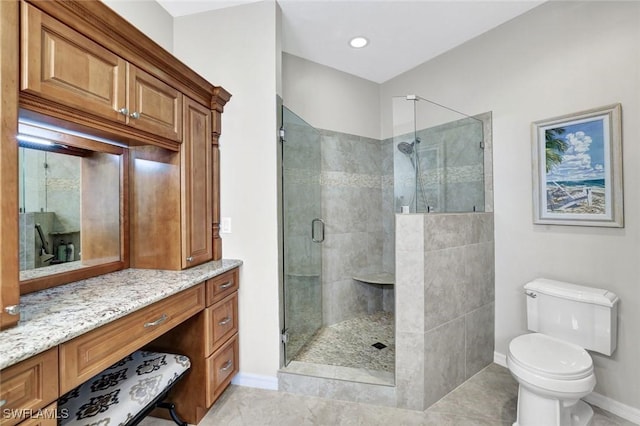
[74,140]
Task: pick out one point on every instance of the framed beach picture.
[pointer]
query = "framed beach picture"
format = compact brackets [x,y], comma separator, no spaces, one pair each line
[577,169]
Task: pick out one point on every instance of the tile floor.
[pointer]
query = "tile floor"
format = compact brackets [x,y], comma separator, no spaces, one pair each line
[488,398]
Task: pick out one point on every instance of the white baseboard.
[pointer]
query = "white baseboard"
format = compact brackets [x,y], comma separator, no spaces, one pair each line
[611,405]
[255,381]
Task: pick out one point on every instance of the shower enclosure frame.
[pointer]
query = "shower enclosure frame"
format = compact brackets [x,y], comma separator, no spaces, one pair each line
[302,239]
[415,135]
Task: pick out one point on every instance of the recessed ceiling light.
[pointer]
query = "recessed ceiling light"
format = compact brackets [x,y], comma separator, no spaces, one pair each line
[358,42]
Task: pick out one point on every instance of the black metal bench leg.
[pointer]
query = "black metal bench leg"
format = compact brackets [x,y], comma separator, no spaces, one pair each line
[172,412]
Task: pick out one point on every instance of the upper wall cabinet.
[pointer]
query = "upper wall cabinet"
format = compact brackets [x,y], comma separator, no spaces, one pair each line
[62,66]
[153,106]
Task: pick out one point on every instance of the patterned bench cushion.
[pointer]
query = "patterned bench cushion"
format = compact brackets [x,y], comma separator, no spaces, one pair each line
[116,395]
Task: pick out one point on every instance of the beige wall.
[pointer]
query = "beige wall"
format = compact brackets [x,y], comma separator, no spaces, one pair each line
[237,48]
[561,57]
[330,99]
[149,17]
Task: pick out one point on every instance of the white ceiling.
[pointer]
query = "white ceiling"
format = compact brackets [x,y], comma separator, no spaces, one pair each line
[402,34]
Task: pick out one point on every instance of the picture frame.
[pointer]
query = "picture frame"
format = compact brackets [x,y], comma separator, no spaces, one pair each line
[577,169]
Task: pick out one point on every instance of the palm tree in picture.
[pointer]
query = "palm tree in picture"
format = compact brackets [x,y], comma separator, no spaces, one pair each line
[555,146]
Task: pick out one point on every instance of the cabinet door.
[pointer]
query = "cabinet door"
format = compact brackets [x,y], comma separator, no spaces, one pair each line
[154,106]
[28,386]
[61,65]
[196,185]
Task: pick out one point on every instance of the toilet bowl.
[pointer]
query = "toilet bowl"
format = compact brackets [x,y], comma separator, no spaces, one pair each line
[551,365]
[552,375]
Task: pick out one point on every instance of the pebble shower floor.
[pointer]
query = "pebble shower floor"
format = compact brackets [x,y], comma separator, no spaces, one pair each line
[349,344]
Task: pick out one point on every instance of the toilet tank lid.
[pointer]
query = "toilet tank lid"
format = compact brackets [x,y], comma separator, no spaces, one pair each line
[597,296]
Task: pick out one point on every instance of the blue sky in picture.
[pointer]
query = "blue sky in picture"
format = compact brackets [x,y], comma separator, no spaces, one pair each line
[584,158]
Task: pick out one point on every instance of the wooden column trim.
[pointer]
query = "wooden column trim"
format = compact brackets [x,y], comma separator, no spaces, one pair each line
[219,99]
[9,57]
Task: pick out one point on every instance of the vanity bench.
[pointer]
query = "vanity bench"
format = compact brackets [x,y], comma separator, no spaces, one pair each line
[126,392]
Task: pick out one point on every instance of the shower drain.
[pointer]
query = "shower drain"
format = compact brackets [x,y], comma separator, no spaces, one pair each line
[379,345]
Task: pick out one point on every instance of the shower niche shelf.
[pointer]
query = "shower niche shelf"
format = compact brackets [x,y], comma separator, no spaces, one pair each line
[379,278]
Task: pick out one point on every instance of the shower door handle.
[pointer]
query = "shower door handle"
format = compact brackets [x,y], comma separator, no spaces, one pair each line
[313,230]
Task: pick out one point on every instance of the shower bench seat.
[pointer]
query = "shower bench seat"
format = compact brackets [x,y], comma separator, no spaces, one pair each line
[379,278]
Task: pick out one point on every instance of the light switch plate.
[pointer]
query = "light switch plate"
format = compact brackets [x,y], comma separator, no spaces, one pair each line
[225,225]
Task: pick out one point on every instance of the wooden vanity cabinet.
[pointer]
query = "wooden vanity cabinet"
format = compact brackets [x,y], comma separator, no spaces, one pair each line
[196,185]
[210,339]
[46,418]
[176,190]
[9,262]
[153,106]
[77,64]
[87,355]
[61,65]
[29,386]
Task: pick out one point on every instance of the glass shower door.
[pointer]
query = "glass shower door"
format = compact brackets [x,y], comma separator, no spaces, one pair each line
[303,233]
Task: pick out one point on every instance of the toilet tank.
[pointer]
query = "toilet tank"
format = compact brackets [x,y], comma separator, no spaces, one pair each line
[582,315]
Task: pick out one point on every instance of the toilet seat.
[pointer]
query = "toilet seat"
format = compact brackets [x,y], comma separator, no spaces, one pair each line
[551,364]
[551,357]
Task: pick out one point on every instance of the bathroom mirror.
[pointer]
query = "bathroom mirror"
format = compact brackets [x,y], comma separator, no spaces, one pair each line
[71,201]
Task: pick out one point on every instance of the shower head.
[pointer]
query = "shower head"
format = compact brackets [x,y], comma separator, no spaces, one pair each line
[406,147]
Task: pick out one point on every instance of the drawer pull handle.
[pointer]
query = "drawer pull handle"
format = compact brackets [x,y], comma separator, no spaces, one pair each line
[225,321]
[159,321]
[226,285]
[2,402]
[227,365]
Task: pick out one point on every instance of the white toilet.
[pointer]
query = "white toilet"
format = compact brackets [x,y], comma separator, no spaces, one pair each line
[552,366]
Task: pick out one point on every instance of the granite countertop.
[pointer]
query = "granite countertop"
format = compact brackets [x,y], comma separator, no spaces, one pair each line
[56,315]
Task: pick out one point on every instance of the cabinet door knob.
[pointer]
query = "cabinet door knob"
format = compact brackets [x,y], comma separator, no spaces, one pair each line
[190,259]
[123,111]
[135,115]
[12,310]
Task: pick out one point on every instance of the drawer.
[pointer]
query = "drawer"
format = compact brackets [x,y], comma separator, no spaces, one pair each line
[221,321]
[221,286]
[28,386]
[221,367]
[92,352]
[47,416]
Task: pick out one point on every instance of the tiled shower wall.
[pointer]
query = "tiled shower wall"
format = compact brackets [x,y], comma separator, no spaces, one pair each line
[444,290]
[353,208]
[445,303]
